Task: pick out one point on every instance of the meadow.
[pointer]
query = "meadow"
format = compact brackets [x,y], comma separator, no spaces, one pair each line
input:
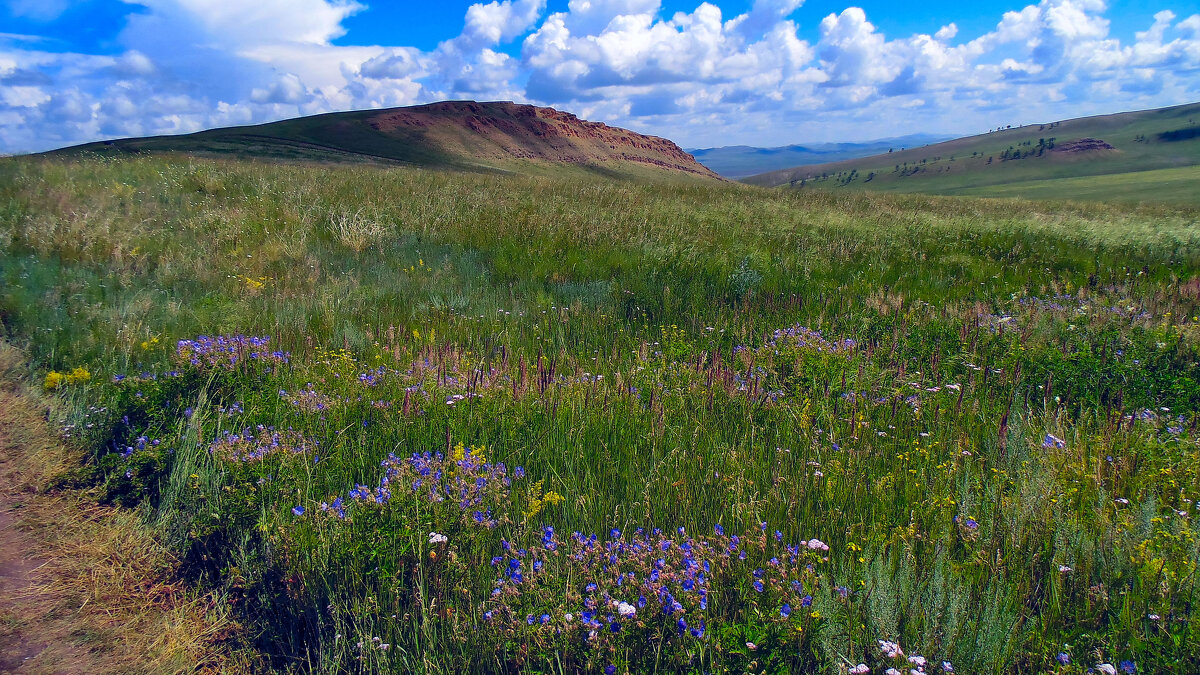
[1144,156]
[417,421]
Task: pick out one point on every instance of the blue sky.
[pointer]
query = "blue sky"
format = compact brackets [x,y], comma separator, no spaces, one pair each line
[760,72]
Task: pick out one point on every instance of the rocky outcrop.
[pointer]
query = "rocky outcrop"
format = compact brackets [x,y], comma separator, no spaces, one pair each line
[505,130]
[1081,145]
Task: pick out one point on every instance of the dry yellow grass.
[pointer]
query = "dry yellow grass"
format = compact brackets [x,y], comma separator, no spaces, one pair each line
[85,588]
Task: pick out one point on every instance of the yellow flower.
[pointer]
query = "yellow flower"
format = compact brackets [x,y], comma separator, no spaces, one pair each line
[79,374]
[54,380]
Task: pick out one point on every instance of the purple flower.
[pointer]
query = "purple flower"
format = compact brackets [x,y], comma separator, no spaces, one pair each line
[1063,658]
[1129,667]
[298,510]
[610,669]
[786,610]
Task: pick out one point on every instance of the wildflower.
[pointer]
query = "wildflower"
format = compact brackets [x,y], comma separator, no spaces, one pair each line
[750,645]
[786,610]
[1052,441]
[860,669]
[1106,668]
[1064,569]
[917,660]
[435,538]
[625,609]
[1063,658]
[610,669]
[545,618]
[54,380]
[758,586]
[1128,667]
[891,671]
[947,667]
[298,510]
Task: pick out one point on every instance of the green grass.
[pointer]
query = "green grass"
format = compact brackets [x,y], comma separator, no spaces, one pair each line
[1172,186]
[1005,162]
[618,341]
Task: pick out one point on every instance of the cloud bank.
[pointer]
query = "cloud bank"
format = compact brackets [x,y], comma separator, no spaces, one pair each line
[701,78]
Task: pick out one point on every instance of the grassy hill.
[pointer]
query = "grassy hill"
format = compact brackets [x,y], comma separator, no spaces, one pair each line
[739,161]
[463,135]
[1080,158]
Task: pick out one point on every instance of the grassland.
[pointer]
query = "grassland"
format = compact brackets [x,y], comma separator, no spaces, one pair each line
[1034,159]
[447,422]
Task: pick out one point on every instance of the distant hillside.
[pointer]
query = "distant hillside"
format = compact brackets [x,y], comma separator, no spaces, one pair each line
[739,161]
[1103,157]
[453,134]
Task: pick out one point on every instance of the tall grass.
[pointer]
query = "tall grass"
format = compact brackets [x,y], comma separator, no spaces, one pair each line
[981,412]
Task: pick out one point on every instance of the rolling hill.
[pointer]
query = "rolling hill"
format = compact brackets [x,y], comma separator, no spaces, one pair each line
[1151,155]
[467,135]
[739,161]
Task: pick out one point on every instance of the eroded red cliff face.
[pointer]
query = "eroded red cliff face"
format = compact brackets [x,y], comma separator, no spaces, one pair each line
[504,130]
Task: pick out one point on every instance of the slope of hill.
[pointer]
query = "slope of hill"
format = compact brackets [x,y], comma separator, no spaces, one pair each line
[1060,159]
[739,161]
[452,134]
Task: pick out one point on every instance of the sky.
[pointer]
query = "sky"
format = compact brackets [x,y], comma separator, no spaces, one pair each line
[704,74]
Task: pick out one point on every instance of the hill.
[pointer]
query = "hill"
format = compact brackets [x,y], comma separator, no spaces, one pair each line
[739,161]
[1101,157]
[467,135]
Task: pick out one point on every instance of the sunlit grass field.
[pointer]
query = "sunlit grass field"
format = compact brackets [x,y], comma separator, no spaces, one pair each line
[410,421]
[1176,186]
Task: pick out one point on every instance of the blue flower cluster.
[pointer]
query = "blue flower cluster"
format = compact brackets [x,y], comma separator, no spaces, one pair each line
[471,483]
[227,351]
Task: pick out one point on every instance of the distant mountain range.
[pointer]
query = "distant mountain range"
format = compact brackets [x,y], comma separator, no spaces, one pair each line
[739,161]
[1148,155]
[465,135]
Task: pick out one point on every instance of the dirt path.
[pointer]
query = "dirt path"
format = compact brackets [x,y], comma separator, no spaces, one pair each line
[85,588]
